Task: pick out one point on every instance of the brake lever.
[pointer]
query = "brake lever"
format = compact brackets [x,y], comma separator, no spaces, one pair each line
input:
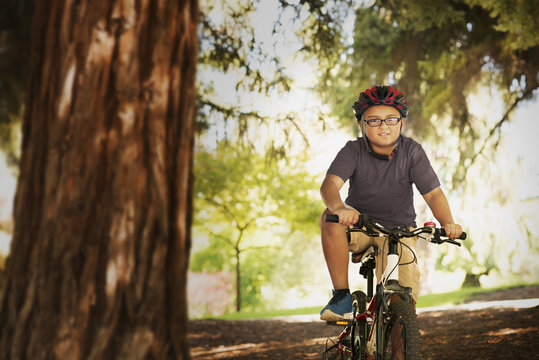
[452,242]
[438,240]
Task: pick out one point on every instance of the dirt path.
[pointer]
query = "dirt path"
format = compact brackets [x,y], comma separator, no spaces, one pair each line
[488,333]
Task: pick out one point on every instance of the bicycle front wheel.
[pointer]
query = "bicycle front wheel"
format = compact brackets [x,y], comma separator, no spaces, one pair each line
[400,333]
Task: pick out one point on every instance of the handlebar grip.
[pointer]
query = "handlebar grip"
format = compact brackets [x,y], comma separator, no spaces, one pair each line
[363,219]
[461,237]
[332,218]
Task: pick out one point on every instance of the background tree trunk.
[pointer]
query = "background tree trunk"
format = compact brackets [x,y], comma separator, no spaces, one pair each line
[238,281]
[100,249]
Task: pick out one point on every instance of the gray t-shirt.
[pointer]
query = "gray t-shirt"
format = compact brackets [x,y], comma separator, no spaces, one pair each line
[381,188]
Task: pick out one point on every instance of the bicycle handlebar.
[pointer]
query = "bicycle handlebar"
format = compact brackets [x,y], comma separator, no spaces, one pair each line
[437,233]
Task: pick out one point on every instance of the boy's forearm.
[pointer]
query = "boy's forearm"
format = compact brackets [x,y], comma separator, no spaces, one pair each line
[330,195]
[439,206]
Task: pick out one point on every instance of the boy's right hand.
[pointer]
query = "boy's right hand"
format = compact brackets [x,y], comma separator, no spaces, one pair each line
[347,216]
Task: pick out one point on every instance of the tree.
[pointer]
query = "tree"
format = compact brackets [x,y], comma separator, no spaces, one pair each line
[245,58]
[241,63]
[258,194]
[439,53]
[99,255]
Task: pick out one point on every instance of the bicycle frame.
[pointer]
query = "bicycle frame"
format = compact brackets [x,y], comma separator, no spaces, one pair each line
[377,303]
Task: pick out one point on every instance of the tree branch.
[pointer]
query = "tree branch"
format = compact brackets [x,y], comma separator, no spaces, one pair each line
[222,206]
[261,247]
[498,125]
[224,238]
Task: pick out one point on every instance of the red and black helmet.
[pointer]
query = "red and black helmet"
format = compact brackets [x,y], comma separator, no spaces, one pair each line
[380,95]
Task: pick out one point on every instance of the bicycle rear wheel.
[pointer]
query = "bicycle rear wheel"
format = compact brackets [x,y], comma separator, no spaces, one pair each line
[400,334]
[359,327]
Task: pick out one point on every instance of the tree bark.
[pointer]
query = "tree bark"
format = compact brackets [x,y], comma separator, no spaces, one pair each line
[100,250]
[238,281]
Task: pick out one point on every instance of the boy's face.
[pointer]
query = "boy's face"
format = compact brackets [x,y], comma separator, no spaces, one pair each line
[384,137]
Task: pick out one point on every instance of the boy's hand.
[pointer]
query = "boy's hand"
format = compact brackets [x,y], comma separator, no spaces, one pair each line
[347,216]
[452,231]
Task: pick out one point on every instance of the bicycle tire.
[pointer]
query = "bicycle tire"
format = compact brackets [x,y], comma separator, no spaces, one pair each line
[400,333]
[358,334]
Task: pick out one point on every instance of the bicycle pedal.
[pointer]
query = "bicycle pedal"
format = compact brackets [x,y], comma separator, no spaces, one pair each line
[340,322]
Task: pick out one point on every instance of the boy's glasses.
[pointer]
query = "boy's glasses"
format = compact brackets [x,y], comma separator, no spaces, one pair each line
[378,122]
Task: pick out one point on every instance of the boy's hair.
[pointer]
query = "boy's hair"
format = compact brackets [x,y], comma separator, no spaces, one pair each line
[380,95]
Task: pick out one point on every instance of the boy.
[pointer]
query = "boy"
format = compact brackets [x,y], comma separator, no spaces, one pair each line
[381,166]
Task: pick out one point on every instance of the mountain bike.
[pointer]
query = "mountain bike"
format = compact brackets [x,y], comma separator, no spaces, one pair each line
[385,321]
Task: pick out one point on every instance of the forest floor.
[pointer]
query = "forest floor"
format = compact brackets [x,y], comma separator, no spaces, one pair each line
[486,327]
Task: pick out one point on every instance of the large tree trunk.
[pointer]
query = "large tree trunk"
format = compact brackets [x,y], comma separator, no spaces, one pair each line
[100,249]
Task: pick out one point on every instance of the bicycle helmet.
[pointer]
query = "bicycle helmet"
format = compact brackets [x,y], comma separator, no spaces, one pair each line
[380,95]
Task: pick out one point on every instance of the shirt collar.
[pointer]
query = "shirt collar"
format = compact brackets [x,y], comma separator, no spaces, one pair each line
[382,156]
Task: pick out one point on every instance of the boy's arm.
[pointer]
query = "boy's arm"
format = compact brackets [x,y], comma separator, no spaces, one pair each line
[332,198]
[440,209]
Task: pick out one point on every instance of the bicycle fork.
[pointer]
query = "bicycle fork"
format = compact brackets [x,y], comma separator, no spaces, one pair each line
[385,290]
[390,278]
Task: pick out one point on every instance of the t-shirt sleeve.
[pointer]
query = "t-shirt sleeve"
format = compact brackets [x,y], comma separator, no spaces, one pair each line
[345,162]
[421,172]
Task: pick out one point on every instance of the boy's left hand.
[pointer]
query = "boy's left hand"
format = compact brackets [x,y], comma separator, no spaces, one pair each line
[452,231]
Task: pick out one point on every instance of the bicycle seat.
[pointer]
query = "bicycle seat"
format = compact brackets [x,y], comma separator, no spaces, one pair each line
[364,256]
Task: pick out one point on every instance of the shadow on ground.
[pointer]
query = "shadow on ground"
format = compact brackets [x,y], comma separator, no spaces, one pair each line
[487,333]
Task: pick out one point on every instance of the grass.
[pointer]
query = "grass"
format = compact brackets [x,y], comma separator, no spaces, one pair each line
[459,296]
[448,298]
[270,313]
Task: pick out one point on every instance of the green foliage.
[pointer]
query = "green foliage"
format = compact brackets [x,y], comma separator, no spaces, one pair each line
[517,19]
[248,187]
[231,54]
[213,258]
[15,19]
[258,269]
[248,207]
[438,53]
[242,64]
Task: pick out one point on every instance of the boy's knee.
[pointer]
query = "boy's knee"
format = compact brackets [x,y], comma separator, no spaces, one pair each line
[332,230]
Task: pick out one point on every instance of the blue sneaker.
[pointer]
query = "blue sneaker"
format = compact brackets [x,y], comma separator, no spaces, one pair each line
[338,308]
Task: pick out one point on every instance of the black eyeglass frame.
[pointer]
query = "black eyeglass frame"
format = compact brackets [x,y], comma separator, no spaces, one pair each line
[383,121]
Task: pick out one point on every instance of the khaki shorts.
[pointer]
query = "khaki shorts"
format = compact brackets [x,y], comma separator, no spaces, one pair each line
[408,269]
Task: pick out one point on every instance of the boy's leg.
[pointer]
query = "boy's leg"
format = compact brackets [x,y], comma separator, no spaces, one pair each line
[336,252]
[335,248]
[409,273]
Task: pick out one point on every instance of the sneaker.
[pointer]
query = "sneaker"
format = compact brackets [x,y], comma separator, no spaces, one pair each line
[338,308]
